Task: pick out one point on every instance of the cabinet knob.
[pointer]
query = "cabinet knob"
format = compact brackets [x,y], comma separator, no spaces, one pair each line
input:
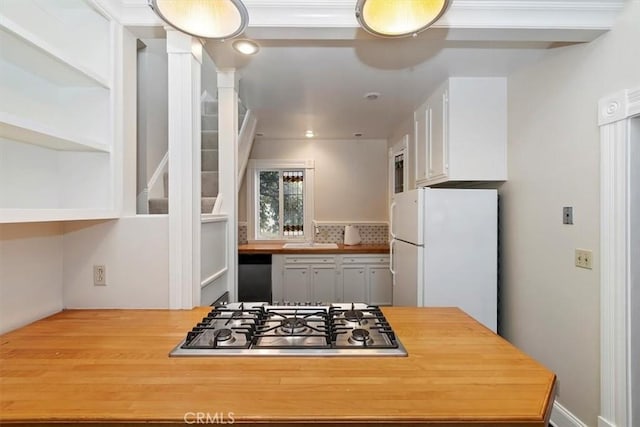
[316,272]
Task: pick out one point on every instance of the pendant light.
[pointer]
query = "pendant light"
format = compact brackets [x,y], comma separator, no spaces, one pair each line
[209,19]
[399,18]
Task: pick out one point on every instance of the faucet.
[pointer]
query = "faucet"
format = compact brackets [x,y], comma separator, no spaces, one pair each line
[316,232]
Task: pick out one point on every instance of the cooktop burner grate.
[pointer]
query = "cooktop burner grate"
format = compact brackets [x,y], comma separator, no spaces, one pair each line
[298,330]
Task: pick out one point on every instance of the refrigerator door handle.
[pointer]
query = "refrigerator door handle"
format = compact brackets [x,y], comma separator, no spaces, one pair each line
[393,205]
[393,272]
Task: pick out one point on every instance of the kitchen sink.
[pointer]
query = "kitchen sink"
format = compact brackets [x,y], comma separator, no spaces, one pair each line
[310,245]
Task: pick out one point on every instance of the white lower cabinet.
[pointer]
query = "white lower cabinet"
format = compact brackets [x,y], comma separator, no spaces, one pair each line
[304,278]
[380,285]
[354,284]
[367,278]
[295,283]
[334,278]
[323,283]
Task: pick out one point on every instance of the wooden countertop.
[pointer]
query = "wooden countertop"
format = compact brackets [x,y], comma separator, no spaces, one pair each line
[276,248]
[112,366]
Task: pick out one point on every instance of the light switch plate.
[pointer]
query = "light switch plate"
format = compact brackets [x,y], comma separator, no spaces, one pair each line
[567,215]
[584,258]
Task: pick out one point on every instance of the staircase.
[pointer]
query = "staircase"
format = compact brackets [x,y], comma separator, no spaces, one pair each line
[209,171]
[209,184]
[208,166]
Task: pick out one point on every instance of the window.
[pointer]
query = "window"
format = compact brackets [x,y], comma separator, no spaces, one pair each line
[280,204]
[280,200]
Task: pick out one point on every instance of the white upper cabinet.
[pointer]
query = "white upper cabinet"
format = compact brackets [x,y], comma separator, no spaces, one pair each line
[461,132]
[57,109]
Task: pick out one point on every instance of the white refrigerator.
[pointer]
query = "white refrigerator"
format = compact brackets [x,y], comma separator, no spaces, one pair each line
[444,250]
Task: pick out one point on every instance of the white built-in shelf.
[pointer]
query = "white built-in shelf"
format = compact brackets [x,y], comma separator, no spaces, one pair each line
[27,51]
[42,215]
[30,131]
[58,102]
[74,33]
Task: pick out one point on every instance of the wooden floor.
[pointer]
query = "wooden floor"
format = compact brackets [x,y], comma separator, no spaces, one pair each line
[110,366]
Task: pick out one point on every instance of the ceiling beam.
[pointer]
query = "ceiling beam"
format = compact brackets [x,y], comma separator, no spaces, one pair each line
[519,20]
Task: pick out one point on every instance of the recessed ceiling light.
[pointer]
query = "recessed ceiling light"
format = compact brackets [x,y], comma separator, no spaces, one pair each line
[246,47]
[309,134]
[372,96]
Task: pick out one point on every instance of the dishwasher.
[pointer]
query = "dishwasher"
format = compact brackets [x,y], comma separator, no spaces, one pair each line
[254,277]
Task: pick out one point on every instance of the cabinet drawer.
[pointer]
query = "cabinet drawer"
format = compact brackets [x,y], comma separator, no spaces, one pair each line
[310,259]
[370,259]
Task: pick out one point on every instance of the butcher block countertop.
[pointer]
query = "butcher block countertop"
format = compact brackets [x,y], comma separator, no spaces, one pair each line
[276,248]
[112,366]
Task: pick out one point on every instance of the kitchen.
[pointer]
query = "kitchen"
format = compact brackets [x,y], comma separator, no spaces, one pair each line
[547,311]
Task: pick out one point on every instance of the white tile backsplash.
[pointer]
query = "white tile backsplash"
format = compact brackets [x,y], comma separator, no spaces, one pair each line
[334,233]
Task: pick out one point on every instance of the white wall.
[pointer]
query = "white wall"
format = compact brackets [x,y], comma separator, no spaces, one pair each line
[135,251]
[549,307]
[350,176]
[209,75]
[30,273]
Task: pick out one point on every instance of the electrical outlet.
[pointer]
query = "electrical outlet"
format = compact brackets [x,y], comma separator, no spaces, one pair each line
[99,275]
[584,258]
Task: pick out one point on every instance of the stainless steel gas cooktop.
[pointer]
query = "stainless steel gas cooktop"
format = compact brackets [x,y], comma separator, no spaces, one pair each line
[261,329]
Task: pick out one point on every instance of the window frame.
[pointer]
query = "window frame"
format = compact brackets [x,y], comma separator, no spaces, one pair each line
[253,171]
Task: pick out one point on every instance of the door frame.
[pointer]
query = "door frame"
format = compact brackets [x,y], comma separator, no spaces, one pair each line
[401,146]
[614,119]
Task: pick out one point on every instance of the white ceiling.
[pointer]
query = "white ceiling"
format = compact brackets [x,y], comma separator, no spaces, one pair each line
[297,85]
[315,64]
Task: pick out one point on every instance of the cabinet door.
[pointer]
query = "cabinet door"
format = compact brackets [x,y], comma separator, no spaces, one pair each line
[323,284]
[437,156]
[354,284]
[295,284]
[380,288]
[422,118]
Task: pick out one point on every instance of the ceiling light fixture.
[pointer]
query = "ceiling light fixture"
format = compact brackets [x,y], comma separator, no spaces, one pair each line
[209,19]
[309,134]
[399,18]
[246,47]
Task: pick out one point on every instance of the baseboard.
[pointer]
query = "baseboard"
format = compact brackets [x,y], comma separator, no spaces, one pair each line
[562,417]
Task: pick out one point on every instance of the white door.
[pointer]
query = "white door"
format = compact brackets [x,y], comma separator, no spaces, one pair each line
[295,284]
[354,284]
[380,287]
[323,284]
[407,289]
